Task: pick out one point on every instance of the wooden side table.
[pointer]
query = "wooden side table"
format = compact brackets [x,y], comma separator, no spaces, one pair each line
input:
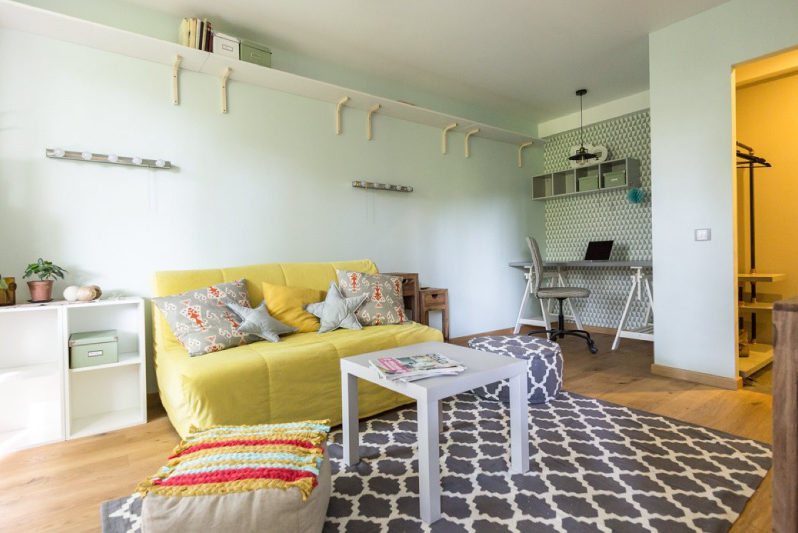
[410,287]
[434,299]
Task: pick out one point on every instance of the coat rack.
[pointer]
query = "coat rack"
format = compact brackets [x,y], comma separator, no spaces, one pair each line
[381,186]
[113,159]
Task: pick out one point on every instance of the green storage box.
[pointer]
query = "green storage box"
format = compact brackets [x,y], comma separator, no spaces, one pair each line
[615,179]
[588,183]
[255,53]
[93,348]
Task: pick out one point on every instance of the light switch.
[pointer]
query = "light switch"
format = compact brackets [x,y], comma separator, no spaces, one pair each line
[703,234]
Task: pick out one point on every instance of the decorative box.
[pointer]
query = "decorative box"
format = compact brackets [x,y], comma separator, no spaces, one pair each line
[225,45]
[93,348]
[255,53]
[588,183]
[615,179]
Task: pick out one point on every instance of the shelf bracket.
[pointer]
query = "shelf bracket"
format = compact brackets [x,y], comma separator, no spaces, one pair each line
[467,142]
[341,103]
[373,109]
[445,131]
[175,81]
[520,152]
[225,76]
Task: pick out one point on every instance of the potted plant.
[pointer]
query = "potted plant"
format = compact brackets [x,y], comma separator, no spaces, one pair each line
[41,290]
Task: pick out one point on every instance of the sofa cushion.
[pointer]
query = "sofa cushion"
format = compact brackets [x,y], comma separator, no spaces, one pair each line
[287,304]
[201,320]
[261,382]
[385,301]
[336,311]
[260,323]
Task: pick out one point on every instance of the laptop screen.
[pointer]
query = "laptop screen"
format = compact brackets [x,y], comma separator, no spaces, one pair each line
[598,250]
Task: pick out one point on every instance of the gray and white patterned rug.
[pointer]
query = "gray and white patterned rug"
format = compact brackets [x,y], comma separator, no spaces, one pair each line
[594,466]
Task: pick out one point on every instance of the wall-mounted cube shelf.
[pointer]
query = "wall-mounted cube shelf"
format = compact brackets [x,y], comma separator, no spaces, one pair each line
[587,179]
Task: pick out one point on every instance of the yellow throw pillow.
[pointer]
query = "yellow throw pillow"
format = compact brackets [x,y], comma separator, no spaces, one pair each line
[287,304]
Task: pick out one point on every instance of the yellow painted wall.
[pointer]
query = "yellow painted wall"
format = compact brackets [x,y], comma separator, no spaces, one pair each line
[767,120]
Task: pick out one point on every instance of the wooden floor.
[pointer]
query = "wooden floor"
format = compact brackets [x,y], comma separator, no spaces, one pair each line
[59,487]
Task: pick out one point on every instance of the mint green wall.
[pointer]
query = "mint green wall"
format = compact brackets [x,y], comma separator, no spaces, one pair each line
[269,182]
[135,18]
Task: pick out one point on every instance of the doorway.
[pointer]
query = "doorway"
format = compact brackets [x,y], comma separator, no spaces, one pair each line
[766,210]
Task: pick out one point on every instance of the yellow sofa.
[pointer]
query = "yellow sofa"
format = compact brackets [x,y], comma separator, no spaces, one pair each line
[264,382]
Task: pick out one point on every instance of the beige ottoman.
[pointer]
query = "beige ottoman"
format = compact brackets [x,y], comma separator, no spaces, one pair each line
[268,478]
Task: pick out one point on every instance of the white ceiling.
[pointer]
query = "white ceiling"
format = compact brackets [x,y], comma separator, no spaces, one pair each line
[519,56]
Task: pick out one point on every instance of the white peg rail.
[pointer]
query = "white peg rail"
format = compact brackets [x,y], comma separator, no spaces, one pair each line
[21,17]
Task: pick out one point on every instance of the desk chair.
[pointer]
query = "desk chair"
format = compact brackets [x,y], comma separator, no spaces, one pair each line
[560,294]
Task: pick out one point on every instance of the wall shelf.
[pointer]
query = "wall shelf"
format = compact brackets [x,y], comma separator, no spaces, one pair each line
[46,23]
[575,181]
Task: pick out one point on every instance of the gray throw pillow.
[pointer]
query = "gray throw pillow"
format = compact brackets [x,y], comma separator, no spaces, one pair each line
[201,320]
[336,311]
[259,322]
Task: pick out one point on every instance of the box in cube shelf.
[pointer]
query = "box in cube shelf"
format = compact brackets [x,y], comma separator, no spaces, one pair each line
[92,348]
[588,183]
[615,179]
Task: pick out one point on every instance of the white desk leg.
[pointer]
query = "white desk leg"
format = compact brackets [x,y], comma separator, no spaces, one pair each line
[440,416]
[429,471]
[650,308]
[622,324]
[519,425]
[350,422]
[527,291]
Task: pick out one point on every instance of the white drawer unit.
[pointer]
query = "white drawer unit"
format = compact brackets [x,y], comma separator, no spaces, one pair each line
[42,399]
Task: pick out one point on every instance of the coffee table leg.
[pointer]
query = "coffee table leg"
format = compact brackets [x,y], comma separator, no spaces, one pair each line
[429,471]
[519,425]
[350,420]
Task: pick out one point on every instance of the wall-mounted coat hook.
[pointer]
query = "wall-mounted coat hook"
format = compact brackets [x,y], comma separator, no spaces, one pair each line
[341,103]
[225,76]
[520,152]
[175,86]
[445,131]
[373,109]
[467,144]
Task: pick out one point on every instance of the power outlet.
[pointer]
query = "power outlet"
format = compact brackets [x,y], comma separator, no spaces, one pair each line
[703,234]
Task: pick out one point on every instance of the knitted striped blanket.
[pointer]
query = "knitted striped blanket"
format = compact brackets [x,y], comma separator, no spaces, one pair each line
[226,459]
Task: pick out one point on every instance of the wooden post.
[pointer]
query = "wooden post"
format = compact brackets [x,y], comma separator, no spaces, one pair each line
[785,416]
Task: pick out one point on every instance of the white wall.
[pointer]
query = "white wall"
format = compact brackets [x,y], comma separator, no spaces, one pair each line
[692,173]
[593,114]
[269,182]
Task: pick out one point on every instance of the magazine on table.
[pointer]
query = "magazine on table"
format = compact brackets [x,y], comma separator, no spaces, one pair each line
[414,367]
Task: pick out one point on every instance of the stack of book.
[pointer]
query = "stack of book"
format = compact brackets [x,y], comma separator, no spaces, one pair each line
[196,33]
[415,367]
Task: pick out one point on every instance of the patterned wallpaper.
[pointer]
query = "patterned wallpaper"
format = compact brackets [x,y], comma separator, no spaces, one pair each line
[573,221]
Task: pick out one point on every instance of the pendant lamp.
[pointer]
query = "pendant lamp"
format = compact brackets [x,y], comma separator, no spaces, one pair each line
[581,154]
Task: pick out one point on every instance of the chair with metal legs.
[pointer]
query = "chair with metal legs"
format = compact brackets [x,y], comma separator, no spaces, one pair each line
[560,294]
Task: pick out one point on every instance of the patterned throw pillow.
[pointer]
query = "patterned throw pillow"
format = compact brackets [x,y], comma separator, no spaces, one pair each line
[384,305]
[201,320]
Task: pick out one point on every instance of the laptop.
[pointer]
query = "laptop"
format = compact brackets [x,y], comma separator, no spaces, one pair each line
[598,250]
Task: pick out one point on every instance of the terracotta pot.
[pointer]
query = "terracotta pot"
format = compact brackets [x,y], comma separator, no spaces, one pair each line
[41,291]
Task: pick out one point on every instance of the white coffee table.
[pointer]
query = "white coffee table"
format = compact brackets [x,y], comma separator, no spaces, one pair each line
[482,368]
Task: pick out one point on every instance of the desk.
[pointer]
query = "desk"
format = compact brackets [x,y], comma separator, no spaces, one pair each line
[639,282]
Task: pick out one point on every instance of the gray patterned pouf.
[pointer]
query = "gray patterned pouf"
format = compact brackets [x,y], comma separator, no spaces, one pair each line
[544,374]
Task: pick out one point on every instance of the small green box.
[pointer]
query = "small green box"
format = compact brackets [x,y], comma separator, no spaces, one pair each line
[255,53]
[93,348]
[588,183]
[615,179]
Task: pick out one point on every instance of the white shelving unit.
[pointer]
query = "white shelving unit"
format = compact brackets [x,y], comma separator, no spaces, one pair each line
[52,402]
[46,23]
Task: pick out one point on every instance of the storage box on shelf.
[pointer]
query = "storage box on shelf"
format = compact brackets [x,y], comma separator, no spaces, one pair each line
[589,178]
[53,402]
